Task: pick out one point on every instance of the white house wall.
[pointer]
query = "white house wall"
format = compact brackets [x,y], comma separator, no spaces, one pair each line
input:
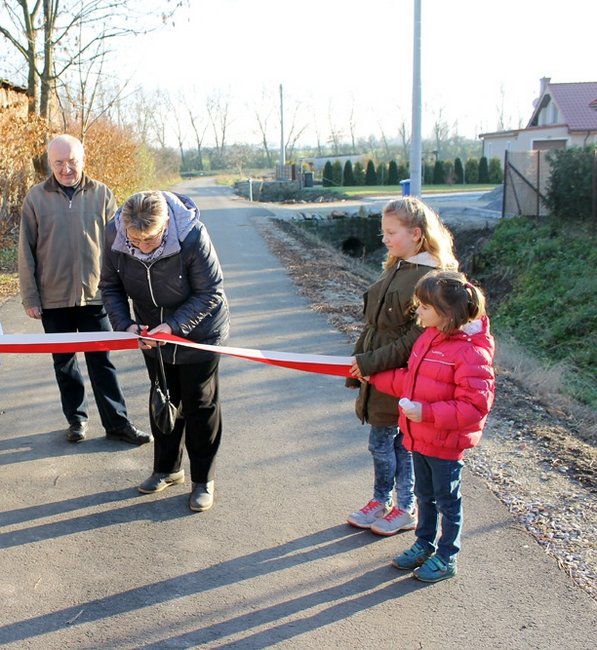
[496,145]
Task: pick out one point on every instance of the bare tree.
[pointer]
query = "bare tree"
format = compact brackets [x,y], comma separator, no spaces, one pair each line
[84,95]
[404,140]
[239,156]
[335,134]
[179,127]
[294,132]
[263,113]
[52,36]
[159,118]
[318,138]
[386,146]
[262,121]
[218,107]
[501,118]
[136,112]
[441,130]
[352,127]
[199,129]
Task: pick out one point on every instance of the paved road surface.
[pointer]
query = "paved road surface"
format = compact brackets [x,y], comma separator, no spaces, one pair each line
[87,562]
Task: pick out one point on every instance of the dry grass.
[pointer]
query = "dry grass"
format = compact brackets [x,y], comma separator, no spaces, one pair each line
[546,383]
[9,286]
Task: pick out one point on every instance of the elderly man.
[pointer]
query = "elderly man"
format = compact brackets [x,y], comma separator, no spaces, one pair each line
[60,247]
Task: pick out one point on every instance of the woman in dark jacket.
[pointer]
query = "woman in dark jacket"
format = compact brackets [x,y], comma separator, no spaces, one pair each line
[159,254]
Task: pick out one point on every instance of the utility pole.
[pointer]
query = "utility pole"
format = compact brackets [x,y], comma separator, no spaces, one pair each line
[282,147]
[416,148]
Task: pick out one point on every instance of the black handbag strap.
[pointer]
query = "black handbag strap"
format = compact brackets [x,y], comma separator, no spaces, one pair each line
[160,374]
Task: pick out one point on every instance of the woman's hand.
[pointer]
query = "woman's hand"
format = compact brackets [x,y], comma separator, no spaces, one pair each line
[145,344]
[137,329]
[161,328]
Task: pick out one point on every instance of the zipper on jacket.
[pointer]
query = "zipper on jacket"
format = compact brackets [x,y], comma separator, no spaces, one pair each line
[148,274]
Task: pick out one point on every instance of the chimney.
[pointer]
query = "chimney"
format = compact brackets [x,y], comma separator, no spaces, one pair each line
[544,81]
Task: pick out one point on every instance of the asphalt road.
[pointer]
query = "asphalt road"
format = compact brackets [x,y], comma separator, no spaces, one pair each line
[88,562]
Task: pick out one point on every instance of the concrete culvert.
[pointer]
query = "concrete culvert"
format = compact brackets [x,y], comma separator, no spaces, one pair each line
[353,247]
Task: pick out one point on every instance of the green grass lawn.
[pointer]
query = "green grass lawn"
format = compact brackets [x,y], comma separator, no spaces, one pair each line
[385,190]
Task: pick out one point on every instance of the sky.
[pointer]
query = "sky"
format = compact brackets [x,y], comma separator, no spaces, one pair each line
[479,59]
[476,56]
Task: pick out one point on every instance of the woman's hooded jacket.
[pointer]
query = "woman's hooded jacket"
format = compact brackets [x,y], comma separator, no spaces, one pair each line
[181,283]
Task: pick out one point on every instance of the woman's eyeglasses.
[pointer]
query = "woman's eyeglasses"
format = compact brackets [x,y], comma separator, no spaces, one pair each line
[155,239]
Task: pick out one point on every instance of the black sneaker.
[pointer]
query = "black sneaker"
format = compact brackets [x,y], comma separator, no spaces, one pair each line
[76,431]
[129,433]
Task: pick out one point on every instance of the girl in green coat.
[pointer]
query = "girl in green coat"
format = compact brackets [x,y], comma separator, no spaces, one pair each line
[417,243]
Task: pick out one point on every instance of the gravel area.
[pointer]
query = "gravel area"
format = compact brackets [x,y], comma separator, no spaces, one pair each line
[534,459]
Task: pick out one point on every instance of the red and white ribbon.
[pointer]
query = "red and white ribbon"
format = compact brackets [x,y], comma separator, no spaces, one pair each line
[103,341]
[69,342]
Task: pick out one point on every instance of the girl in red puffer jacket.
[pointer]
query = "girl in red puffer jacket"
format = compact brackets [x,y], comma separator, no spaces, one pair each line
[446,393]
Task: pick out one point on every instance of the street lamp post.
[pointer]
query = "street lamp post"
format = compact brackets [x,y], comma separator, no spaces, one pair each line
[282,147]
[416,143]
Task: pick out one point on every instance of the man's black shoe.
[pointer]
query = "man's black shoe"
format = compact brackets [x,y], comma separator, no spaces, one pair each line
[129,433]
[77,431]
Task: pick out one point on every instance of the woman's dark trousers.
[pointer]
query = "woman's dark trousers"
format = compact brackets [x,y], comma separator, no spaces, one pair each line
[196,385]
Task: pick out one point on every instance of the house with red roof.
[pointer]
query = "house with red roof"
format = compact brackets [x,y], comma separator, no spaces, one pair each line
[564,116]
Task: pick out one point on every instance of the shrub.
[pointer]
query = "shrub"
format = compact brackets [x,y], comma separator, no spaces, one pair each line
[370,174]
[113,156]
[458,171]
[328,178]
[403,172]
[347,175]
[496,175]
[439,177]
[337,173]
[359,174]
[483,170]
[22,140]
[393,177]
[381,174]
[471,170]
[449,172]
[569,192]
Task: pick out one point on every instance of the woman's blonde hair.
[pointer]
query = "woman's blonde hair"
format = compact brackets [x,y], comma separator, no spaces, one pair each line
[145,211]
[436,239]
[452,296]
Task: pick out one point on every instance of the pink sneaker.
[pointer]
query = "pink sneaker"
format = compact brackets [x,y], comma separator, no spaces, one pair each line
[395,521]
[369,514]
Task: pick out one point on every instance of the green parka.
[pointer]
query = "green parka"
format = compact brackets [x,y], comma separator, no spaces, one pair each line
[388,336]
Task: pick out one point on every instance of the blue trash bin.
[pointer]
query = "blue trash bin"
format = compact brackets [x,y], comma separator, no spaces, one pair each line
[308,179]
[405,187]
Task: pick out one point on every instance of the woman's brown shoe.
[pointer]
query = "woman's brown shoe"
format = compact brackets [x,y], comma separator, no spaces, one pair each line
[159,481]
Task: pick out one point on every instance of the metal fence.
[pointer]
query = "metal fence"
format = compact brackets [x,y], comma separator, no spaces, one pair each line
[525,183]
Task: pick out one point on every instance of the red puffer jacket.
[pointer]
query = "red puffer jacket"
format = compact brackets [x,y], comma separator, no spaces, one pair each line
[453,378]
